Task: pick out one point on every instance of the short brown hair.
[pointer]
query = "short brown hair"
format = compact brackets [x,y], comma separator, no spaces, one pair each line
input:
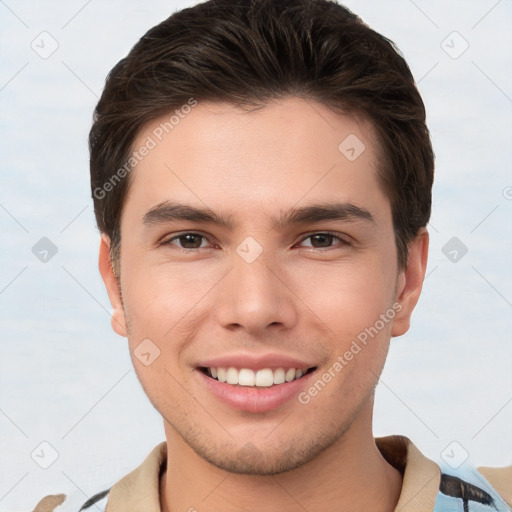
[247,53]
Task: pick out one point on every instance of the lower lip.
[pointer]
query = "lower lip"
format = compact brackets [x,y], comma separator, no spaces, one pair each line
[254,399]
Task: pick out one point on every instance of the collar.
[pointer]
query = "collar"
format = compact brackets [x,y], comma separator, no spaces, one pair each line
[138,491]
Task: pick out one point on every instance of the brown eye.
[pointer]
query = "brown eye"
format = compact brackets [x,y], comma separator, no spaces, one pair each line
[187,241]
[324,240]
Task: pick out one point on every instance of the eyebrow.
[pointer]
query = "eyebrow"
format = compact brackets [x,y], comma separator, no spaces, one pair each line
[169,211]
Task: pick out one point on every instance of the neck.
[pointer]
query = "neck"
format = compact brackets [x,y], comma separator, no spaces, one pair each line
[350,475]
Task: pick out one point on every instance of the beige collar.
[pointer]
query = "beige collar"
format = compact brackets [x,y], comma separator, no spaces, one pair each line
[138,491]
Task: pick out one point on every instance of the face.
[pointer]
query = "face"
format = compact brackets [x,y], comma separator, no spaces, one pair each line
[254,249]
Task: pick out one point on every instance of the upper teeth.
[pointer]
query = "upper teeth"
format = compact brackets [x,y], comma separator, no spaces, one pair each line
[265,377]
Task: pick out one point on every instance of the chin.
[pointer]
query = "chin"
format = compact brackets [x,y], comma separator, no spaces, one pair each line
[249,460]
[263,460]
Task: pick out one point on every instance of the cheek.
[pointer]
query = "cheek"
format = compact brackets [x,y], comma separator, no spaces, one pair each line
[347,299]
[158,297]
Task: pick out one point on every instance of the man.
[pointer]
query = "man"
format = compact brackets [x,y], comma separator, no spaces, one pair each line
[261,173]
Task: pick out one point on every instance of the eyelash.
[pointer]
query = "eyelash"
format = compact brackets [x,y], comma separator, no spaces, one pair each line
[343,241]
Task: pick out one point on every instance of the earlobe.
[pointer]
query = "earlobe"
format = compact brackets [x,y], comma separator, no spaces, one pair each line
[410,282]
[118,319]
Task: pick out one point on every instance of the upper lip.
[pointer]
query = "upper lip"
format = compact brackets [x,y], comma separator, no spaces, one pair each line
[255,361]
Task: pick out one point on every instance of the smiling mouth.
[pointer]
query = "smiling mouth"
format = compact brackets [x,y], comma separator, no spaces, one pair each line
[263,378]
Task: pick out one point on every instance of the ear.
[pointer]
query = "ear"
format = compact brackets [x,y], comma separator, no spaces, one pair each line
[118,319]
[410,282]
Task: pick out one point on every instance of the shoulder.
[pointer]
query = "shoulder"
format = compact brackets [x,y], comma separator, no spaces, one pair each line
[487,488]
[64,503]
[139,485]
[440,485]
[500,479]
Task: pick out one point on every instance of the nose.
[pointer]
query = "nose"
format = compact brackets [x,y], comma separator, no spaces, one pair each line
[256,296]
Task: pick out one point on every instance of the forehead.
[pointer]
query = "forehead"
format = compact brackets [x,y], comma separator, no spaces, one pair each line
[289,150]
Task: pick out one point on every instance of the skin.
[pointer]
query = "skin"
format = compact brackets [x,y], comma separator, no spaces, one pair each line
[303,296]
